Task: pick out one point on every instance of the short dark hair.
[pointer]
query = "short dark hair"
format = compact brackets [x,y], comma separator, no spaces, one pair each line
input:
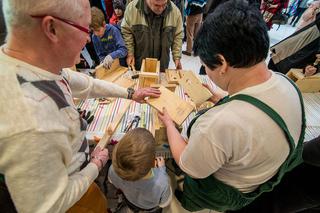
[235,30]
[134,155]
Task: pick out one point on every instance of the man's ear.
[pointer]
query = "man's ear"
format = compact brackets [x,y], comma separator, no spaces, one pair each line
[48,26]
[224,65]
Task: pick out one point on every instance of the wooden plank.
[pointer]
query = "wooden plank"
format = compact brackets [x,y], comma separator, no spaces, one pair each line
[125,82]
[172,76]
[111,74]
[114,124]
[194,88]
[114,75]
[171,87]
[177,108]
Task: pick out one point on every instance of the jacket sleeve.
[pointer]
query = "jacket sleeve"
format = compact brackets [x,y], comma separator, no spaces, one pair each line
[177,40]
[121,50]
[35,168]
[98,48]
[126,30]
[84,86]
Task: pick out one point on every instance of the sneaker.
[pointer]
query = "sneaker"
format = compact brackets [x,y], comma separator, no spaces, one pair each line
[186,53]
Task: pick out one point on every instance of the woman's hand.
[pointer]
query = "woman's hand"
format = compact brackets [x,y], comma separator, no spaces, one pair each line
[165,118]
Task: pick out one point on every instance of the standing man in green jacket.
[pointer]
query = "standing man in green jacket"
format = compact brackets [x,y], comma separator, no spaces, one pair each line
[150,28]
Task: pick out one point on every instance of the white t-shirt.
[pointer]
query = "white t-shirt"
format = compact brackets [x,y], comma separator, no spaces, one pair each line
[43,150]
[240,144]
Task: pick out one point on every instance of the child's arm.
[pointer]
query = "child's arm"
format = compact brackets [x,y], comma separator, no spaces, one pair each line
[121,50]
[166,195]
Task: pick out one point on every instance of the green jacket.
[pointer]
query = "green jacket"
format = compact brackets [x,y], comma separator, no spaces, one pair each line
[144,39]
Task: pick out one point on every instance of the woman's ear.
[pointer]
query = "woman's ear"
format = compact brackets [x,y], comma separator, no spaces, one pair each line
[224,65]
[49,28]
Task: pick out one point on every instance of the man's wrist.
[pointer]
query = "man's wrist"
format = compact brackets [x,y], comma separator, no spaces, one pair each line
[130,91]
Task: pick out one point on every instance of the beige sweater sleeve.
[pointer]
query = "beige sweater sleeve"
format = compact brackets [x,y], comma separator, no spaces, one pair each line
[36,175]
[84,86]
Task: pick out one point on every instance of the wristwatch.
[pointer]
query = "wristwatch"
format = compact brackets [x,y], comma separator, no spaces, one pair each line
[130,93]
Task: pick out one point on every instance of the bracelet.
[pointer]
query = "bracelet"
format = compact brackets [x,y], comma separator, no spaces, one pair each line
[130,93]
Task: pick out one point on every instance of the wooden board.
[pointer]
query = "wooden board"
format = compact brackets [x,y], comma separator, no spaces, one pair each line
[113,126]
[171,87]
[177,108]
[194,88]
[305,84]
[111,74]
[172,76]
[125,82]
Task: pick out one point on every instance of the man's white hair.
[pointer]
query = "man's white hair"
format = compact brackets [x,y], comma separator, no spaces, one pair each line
[17,12]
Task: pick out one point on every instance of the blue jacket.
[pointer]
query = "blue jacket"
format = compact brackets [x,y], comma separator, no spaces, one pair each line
[111,43]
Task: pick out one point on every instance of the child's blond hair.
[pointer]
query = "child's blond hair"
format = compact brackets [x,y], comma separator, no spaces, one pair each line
[134,155]
[97,18]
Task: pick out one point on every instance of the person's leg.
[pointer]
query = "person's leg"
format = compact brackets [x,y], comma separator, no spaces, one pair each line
[197,24]
[190,32]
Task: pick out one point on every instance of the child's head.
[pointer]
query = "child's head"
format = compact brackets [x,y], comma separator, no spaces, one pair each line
[97,21]
[119,8]
[134,155]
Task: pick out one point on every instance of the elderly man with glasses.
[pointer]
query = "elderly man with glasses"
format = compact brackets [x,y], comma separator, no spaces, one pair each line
[150,28]
[45,165]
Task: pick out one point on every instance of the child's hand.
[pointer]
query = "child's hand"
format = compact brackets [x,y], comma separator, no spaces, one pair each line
[160,162]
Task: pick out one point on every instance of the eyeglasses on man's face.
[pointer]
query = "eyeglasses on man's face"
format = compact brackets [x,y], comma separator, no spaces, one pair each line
[83,29]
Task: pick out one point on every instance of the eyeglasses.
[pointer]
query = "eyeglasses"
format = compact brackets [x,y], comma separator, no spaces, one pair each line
[83,29]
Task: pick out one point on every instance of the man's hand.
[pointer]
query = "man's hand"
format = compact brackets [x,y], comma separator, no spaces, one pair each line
[99,157]
[130,60]
[107,61]
[165,118]
[160,162]
[177,62]
[310,70]
[140,94]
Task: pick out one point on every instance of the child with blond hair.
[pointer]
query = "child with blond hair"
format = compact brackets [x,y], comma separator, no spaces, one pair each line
[146,188]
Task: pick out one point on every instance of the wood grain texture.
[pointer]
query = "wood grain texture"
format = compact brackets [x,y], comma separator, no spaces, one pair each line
[194,88]
[177,108]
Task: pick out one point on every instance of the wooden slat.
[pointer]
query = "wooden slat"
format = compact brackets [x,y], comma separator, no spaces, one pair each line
[114,124]
[194,88]
[177,108]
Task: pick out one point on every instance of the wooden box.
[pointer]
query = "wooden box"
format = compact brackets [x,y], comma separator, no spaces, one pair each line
[305,84]
[172,76]
[149,74]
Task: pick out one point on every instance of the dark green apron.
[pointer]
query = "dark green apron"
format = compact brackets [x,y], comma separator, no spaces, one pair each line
[210,193]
